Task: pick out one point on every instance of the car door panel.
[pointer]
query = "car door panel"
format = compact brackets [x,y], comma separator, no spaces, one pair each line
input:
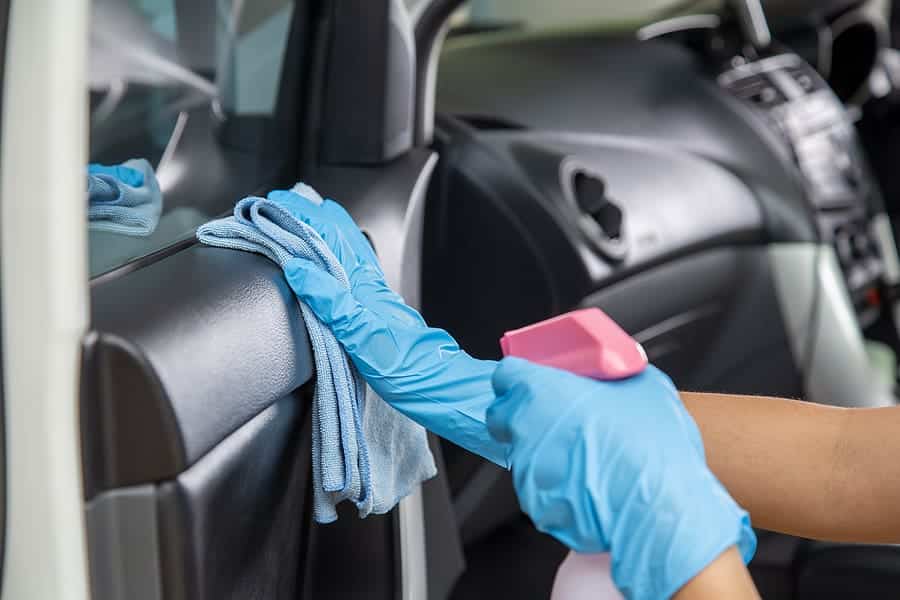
[195,403]
[231,526]
[234,524]
[194,399]
[198,311]
[197,372]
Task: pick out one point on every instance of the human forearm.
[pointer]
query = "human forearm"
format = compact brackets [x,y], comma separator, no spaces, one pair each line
[865,490]
[774,456]
[806,469]
[725,577]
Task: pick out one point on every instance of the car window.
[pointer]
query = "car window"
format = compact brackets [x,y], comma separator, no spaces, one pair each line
[541,14]
[185,117]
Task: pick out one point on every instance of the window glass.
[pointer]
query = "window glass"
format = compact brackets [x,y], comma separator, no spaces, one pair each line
[250,63]
[184,96]
[542,14]
[160,15]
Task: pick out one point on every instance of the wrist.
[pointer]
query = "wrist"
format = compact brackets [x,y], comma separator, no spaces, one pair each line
[669,544]
[725,577]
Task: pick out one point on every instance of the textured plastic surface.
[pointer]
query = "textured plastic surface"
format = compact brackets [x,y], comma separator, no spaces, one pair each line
[585,342]
[655,91]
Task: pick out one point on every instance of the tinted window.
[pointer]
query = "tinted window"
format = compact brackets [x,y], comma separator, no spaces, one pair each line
[540,14]
[193,88]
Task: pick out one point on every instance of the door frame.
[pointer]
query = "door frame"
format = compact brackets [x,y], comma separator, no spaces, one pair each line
[43,261]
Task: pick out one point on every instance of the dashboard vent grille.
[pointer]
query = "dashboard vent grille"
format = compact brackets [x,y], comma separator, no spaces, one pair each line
[804,77]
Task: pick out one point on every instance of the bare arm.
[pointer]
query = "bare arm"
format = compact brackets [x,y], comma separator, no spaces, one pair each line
[725,577]
[805,469]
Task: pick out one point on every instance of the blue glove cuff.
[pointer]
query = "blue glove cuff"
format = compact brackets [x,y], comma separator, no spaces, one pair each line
[650,568]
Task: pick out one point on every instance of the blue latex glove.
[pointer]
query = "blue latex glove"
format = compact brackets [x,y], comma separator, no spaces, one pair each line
[420,371]
[616,466]
[125,199]
[126,175]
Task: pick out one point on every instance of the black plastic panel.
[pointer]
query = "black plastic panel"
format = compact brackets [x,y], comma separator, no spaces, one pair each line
[353,559]
[517,562]
[506,246]
[593,83]
[369,50]
[147,414]
[835,572]
[660,190]
[723,332]
[786,9]
[234,526]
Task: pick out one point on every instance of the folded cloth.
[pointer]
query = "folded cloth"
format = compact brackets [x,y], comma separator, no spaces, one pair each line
[124,199]
[363,450]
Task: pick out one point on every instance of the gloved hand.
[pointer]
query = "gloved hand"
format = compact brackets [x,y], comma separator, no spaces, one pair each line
[420,371]
[616,466]
[126,175]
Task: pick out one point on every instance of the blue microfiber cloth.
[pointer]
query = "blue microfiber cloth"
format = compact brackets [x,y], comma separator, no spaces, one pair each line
[363,450]
[124,199]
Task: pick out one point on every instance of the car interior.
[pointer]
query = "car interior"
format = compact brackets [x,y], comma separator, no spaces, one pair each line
[716,176]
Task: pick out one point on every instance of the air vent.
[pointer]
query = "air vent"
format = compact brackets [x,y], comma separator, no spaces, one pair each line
[757,89]
[590,193]
[602,219]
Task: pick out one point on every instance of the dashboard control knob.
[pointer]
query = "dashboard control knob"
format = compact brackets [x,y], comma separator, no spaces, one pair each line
[844,248]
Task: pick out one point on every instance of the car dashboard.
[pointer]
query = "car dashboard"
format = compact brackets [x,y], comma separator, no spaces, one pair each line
[684,149]
[717,203]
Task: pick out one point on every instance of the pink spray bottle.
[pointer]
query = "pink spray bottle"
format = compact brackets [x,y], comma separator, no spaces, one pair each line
[589,343]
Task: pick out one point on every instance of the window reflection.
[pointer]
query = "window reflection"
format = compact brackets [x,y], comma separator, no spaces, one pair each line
[184,92]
